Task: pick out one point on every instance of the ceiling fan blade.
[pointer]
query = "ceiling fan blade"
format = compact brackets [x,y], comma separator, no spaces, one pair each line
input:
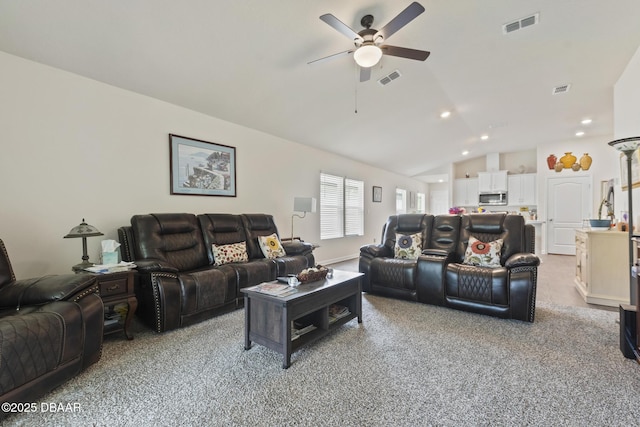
[340,26]
[330,57]
[365,74]
[402,19]
[405,52]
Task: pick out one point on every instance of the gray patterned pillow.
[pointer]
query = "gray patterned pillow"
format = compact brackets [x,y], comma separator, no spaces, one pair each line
[408,246]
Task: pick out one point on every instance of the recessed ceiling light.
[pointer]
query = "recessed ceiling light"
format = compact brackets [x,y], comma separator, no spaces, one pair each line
[465,152]
[586,121]
[484,137]
[445,114]
[579,133]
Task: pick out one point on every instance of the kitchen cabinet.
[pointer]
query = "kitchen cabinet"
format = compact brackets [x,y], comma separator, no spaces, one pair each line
[465,192]
[489,182]
[522,190]
[602,266]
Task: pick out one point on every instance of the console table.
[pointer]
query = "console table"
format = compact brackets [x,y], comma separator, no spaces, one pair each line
[602,266]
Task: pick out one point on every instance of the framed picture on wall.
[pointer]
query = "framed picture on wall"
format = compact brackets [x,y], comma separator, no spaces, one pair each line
[201,168]
[377,194]
[635,170]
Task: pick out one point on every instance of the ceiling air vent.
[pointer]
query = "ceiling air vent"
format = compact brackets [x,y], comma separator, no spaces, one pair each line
[389,78]
[521,23]
[561,89]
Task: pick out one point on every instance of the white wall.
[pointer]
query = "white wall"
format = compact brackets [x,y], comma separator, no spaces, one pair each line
[74,148]
[626,114]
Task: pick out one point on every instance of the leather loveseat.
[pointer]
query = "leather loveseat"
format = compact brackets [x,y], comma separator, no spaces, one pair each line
[180,281]
[439,274]
[50,330]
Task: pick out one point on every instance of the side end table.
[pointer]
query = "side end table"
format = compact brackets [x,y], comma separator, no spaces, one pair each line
[114,289]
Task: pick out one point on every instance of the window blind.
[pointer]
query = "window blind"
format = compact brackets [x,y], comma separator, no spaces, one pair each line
[331,206]
[354,207]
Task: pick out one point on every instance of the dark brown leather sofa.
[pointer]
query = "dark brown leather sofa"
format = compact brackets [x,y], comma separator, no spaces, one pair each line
[439,276]
[50,330]
[178,283]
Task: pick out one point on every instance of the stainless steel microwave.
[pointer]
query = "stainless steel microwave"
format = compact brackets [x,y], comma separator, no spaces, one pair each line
[492,199]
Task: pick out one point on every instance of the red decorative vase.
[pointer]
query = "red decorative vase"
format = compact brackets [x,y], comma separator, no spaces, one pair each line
[551,161]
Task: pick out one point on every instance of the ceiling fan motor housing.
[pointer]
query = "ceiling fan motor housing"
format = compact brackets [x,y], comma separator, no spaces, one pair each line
[368,36]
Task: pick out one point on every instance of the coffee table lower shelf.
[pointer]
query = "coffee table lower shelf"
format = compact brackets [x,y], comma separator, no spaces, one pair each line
[269,319]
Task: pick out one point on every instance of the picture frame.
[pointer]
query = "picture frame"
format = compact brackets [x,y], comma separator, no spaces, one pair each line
[635,170]
[377,194]
[201,168]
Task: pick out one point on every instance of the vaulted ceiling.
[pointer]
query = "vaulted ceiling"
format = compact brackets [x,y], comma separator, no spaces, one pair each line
[246,61]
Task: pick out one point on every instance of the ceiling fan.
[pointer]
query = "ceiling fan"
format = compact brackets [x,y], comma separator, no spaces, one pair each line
[368,43]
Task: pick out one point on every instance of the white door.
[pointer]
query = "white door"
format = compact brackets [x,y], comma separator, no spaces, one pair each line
[568,205]
[438,202]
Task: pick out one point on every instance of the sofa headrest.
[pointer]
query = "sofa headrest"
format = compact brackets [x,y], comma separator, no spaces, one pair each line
[486,223]
[222,223]
[259,221]
[175,223]
[410,223]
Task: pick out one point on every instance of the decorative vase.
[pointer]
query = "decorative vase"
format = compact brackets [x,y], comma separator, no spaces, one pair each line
[585,161]
[575,167]
[568,160]
[551,161]
[558,167]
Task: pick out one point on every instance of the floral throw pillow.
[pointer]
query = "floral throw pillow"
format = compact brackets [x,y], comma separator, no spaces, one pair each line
[271,246]
[408,246]
[483,254]
[226,254]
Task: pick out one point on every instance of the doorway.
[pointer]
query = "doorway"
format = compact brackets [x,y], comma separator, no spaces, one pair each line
[438,202]
[569,202]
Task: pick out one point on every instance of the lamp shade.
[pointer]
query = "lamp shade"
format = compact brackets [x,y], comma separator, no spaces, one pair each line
[626,144]
[367,55]
[83,230]
[304,204]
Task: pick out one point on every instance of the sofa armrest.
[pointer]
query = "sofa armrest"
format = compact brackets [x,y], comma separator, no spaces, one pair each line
[375,251]
[522,259]
[430,275]
[41,290]
[154,266]
[297,248]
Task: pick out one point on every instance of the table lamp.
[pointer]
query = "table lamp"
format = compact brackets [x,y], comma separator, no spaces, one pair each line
[83,230]
[302,204]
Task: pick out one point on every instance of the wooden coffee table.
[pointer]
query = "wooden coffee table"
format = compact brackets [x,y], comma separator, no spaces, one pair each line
[269,319]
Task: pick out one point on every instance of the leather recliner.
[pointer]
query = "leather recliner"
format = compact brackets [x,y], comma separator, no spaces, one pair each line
[50,330]
[178,282]
[439,277]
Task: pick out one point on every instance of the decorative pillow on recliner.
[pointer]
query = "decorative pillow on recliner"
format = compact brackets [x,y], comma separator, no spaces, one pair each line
[271,246]
[483,254]
[408,246]
[226,254]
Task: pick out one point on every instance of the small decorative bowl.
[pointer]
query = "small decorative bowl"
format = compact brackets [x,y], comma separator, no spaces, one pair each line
[312,276]
[600,224]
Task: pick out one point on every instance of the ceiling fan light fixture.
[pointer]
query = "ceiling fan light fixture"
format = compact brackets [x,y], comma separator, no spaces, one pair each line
[367,55]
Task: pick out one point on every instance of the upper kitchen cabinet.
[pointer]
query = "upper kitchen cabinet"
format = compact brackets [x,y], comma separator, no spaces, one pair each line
[489,182]
[465,192]
[522,189]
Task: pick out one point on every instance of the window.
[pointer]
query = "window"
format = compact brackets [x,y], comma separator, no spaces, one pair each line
[341,207]
[401,201]
[420,203]
[354,207]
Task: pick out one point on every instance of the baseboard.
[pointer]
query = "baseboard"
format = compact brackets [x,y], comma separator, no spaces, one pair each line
[337,260]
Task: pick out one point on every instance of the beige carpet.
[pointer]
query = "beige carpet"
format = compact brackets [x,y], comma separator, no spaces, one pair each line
[407,364]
